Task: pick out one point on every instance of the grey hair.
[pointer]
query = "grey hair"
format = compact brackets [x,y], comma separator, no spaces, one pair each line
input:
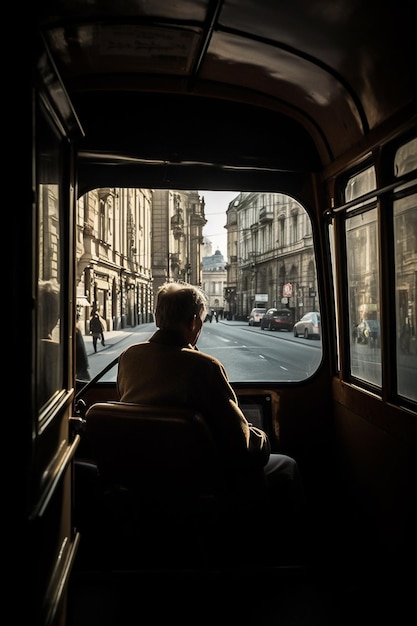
[177,303]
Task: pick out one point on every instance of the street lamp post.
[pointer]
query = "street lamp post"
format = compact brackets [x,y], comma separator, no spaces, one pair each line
[252,255]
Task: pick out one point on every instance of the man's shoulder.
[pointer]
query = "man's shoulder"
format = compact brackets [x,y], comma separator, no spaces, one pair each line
[134,347]
[203,357]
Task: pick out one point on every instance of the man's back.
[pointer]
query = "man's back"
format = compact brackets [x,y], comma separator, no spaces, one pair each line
[163,371]
[153,372]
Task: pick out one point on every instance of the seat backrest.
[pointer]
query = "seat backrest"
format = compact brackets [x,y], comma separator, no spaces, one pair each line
[161,452]
[167,497]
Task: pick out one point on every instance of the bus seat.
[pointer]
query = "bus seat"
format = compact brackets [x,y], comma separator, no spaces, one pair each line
[151,449]
[164,487]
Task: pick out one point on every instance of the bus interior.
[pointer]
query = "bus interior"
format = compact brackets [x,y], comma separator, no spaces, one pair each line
[316,100]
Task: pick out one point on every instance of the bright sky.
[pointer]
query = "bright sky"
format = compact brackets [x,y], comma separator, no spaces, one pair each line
[215,211]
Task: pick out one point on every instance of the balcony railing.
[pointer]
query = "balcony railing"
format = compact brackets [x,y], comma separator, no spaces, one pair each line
[266,214]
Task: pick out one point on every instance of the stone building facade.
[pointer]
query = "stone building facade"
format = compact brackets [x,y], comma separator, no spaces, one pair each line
[214,280]
[129,242]
[270,255]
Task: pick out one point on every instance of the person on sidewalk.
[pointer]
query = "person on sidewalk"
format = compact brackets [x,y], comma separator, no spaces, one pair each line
[81,358]
[96,329]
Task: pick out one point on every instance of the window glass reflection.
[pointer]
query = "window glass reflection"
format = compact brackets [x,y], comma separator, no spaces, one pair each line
[405,229]
[49,289]
[363,282]
[49,339]
[360,184]
[406,158]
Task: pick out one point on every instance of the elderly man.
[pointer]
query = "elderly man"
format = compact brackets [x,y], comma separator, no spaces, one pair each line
[168,369]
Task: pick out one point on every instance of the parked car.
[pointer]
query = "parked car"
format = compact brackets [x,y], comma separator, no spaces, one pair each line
[367,331]
[308,326]
[256,316]
[277,319]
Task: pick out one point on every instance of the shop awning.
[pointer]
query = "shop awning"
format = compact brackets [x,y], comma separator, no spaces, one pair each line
[82,301]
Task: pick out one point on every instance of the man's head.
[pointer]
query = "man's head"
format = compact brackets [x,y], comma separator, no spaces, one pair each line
[49,306]
[181,307]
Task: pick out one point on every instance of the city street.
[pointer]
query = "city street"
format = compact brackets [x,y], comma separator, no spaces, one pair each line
[248,353]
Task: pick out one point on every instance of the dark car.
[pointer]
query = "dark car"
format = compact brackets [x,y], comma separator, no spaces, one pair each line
[308,326]
[277,319]
[367,332]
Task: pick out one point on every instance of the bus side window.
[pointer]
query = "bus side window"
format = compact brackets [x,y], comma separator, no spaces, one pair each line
[405,260]
[50,353]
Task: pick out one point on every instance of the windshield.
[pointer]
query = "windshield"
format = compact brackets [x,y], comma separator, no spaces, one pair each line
[249,252]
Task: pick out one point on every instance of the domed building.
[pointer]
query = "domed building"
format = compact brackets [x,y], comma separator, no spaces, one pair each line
[214,281]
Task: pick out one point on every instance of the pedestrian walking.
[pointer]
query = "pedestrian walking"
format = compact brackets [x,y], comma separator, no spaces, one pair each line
[97,329]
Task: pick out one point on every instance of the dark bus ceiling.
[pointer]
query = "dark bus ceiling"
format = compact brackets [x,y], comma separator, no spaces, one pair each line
[164,90]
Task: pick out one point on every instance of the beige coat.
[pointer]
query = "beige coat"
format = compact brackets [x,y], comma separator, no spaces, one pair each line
[165,371]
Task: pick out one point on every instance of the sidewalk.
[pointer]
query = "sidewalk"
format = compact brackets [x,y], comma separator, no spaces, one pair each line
[114,336]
